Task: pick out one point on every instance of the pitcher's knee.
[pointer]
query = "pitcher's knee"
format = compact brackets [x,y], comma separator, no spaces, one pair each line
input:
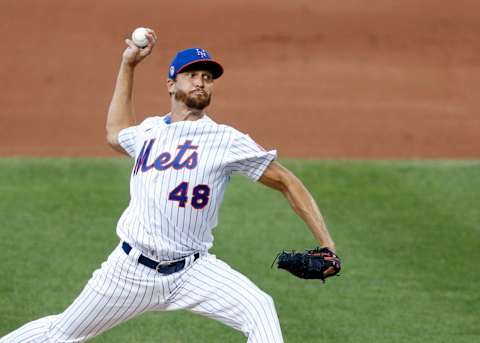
[262,325]
[267,301]
[262,307]
[59,332]
[56,335]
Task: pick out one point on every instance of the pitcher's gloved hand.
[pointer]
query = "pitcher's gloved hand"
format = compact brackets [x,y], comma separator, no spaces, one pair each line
[319,263]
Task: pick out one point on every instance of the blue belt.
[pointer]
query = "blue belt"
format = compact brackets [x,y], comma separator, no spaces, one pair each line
[160,267]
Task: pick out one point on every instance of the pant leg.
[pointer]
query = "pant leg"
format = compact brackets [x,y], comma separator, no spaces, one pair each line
[210,287]
[120,290]
[30,332]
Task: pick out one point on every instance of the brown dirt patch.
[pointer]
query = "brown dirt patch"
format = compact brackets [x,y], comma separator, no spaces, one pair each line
[328,79]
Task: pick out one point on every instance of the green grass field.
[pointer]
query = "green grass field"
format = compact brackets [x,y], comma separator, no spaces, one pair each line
[408,234]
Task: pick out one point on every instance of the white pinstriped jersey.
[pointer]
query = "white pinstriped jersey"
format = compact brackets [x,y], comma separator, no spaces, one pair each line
[178,181]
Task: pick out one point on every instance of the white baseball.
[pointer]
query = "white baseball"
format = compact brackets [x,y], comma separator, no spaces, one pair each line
[139,37]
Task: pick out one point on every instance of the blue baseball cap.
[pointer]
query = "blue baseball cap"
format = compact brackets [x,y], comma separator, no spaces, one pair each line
[194,56]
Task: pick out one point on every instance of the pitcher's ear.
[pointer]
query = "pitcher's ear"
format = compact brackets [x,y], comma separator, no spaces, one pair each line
[171,86]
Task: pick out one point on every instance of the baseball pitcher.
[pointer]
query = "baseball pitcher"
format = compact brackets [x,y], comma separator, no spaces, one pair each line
[182,162]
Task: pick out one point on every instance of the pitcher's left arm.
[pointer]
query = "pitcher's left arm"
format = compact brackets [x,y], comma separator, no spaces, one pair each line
[280,178]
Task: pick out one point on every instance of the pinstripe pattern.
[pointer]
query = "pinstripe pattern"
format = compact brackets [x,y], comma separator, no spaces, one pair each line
[213,289]
[122,289]
[163,227]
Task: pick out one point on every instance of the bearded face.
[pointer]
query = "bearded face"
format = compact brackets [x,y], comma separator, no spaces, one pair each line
[197,99]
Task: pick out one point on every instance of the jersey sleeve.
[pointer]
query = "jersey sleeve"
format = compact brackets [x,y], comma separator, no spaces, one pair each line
[131,137]
[127,138]
[247,157]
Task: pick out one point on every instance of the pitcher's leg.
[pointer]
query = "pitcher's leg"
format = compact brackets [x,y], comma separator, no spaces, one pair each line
[212,288]
[31,332]
[76,324]
[117,292]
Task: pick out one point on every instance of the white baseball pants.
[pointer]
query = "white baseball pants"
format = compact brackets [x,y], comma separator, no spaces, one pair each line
[122,289]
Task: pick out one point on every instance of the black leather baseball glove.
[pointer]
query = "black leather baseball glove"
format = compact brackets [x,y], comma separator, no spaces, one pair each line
[319,263]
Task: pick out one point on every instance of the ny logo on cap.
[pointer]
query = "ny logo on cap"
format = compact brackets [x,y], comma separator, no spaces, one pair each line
[202,53]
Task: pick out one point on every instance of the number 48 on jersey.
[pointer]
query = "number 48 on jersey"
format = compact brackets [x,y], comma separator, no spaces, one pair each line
[199,198]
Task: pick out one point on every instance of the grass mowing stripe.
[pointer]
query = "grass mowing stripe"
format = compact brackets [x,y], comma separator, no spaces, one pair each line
[408,233]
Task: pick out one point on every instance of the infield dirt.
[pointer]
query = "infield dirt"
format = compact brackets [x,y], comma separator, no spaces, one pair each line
[320,79]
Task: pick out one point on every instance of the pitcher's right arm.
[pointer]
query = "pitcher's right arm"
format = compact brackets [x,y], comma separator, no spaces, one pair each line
[121,113]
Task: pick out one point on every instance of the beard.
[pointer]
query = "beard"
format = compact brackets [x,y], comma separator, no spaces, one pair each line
[196,101]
